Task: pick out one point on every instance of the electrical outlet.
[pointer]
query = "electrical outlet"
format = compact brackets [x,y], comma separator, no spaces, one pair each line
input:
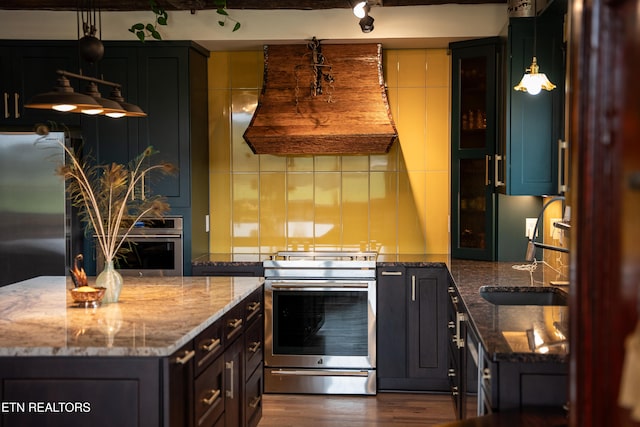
[530,224]
[553,231]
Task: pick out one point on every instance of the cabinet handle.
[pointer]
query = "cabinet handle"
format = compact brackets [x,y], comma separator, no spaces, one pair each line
[391,273]
[562,179]
[229,366]
[253,309]
[255,402]
[213,343]
[16,110]
[215,394]
[451,324]
[234,323]
[6,105]
[496,171]
[413,288]
[454,390]
[254,306]
[486,374]
[487,159]
[188,355]
[254,346]
[451,372]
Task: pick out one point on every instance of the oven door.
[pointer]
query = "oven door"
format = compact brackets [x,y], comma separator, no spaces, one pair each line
[148,255]
[320,324]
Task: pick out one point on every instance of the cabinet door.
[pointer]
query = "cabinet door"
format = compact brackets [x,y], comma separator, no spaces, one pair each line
[474,122]
[233,384]
[164,96]
[209,399]
[28,70]
[181,374]
[391,325]
[535,122]
[426,327]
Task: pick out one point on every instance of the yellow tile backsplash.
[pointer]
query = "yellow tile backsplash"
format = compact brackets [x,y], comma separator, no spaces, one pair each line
[393,203]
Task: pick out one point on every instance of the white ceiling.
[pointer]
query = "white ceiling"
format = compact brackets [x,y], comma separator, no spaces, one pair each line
[397,27]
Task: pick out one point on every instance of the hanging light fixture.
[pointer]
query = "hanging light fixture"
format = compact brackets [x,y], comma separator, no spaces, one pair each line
[64,98]
[533,80]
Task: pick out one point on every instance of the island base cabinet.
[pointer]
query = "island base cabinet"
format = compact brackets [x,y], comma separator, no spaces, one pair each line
[253,398]
[70,392]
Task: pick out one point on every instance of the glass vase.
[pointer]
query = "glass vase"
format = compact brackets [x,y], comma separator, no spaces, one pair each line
[110,279]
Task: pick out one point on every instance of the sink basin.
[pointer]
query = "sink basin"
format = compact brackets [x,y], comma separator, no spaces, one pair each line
[520,295]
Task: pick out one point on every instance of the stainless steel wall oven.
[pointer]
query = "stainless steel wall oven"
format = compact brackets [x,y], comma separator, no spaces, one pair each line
[320,323]
[152,248]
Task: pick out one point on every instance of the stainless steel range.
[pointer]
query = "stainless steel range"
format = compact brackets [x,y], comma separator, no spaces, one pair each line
[320,323]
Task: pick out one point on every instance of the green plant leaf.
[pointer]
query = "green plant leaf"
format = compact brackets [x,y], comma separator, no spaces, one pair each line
[222,12]
[140,35]
[236,27]
[150,28]
[139,26]
[162,20]
[221,23]
[156,35]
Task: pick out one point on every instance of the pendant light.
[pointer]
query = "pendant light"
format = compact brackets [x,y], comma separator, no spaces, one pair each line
[533,80]
[90,102]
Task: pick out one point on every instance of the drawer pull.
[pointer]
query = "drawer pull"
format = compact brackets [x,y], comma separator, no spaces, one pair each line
[215,394]
[212,345]
[254,346]
[451,372]
[188,355]
[391,273]
[233,324]
[255,402]
[6,106]
[253,306]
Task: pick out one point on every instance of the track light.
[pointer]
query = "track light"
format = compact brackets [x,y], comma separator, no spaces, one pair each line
[366,24]
[361,10]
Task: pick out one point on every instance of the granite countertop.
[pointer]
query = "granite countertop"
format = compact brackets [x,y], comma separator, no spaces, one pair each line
[155,316]
[501,328]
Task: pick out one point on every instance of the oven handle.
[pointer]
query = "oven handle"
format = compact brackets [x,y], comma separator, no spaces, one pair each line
[318,286]
[320,373]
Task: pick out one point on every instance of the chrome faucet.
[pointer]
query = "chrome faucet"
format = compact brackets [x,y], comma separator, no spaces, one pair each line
[532,244]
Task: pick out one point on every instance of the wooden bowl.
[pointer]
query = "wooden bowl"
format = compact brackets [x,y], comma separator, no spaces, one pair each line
[83,295]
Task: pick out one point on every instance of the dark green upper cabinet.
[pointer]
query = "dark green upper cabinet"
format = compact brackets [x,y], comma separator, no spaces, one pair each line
[475,77]
[534,123]
[28,68]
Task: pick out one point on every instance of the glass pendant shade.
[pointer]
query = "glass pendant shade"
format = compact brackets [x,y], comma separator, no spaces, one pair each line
[533,81]
[62,98]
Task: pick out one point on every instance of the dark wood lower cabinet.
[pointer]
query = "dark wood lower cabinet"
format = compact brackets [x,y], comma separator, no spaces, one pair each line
[215,380]
[411,321]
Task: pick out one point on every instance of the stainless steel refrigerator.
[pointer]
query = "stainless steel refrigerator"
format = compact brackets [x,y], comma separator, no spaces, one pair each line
[33,224]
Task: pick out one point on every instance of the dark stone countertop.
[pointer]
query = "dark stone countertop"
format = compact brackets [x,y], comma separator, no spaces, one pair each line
[501,328]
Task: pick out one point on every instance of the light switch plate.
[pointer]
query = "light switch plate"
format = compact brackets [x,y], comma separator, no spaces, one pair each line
[530,224]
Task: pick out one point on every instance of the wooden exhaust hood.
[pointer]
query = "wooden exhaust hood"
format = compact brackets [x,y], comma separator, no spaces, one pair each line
[327,99]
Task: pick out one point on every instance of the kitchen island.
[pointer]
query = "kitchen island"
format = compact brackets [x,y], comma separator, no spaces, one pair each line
[131,363]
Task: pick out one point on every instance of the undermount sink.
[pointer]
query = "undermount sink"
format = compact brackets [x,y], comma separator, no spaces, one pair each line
[520,295]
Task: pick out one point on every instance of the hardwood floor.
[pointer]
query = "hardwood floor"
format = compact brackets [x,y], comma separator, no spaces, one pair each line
[384,409]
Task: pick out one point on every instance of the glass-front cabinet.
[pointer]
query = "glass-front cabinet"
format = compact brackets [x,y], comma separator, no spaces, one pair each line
[474,136]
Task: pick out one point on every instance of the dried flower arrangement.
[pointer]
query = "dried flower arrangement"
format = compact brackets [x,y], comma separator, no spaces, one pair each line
[106,197]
